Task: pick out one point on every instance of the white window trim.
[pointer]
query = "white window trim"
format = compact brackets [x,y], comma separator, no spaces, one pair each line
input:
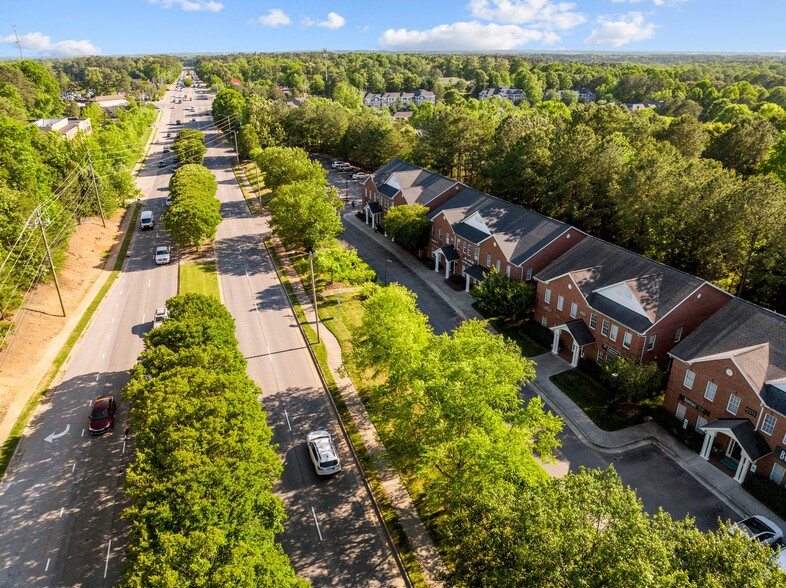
[651,342]
[547,296]
[604,328]
[710,391]
[560,302]
[764,423]
[627,339]
[574,310]
[614,332]
[593,322]
[728,404]
[528,276]
[686,378]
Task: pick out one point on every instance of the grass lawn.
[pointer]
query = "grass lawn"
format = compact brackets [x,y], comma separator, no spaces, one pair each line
[597,402]
[341,324]
[527,346]
[199,277]
[257,183]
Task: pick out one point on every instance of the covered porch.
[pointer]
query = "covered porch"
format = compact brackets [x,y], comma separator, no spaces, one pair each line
[373,214]
[474,275]
[451,257]
[580,337]
[745,446]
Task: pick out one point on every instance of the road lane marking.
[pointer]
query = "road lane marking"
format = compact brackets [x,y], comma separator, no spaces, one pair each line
[316,522]
[48,559]
[73,467]
[61,512]
[106,565]
[52,436]
[124,447]
[83,433]
[103,355]
[289,425]
[149,282]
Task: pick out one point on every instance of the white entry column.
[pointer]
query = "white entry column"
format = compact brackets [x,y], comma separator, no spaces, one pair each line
[709,439]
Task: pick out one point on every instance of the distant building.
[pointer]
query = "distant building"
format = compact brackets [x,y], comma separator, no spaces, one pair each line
[112,101]
[505,92]
[634,106]
[401,99]
[235,82]
[585,94]
[403,115]
[68,127]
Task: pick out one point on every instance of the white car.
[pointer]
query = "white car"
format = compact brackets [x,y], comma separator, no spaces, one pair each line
[168,201]
[160,316]
[162,254]
[359,175]
[323,453]
[759,529]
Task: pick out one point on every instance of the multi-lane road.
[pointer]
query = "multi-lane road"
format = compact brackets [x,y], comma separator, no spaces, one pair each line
[61,499]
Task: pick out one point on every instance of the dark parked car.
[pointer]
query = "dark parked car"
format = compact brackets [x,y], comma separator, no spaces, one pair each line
[102,416]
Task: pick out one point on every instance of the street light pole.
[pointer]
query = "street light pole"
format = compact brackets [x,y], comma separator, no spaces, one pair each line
[314,292]
[387,261]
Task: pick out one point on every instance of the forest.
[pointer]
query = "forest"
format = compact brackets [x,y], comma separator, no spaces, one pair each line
[696,182]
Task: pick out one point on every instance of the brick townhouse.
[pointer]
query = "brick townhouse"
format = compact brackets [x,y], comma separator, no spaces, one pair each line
[397,183]
[601,300]
[728,381]
[473,232]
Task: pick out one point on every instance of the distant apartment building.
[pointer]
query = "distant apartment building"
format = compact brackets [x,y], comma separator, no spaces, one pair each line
[398,99]
[505,92]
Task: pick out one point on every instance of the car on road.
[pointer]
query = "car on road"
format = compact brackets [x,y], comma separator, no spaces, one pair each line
[162,254]
[165,150]
[175,166]
[323,453]
[162,163]
[146,220]
[168,135]
[102,415]
[337,163]
[160,316]
[759,529]
[359,175]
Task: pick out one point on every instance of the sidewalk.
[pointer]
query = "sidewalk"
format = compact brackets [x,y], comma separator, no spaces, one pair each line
[717,482]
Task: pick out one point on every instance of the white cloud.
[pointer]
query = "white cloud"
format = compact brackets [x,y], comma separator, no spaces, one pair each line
[41,44]
[275,18]
[467,36]
[625,29]
[545,14]
[191,5]
[334,21]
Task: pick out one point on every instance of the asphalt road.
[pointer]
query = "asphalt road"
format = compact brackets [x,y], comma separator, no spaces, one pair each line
[61,498]
[333,535]
[658,481]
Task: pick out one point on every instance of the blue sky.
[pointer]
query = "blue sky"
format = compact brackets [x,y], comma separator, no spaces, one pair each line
[123,27]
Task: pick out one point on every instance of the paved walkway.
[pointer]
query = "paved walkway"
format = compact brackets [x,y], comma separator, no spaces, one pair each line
[716,481]
[425,551]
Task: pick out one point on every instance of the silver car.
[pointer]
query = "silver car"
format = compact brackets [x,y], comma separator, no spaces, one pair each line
[323,453]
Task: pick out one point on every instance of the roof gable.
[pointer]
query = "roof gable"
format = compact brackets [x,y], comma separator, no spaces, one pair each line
[476,221]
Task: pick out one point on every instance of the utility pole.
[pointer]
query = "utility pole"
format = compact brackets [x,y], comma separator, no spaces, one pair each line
[18,44]
[95,188]
[324,55]
[40,222]
[314,292]
[237,153]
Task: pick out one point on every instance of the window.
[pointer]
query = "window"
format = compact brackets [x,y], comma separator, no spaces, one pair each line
[499,266]
[464,248]
[688,381]
[439,235]
[614,330]
[651,343]
[604,328]
[433,230]
[776,475]
[574,309]
[528,276]
[477,252]
[627,338]
[547,296]
[599,359]
[734,404]
[544,321]
[709,391]
[678,335]
[507,271]
[488,260]
[593,320]
[768,425]
[700,422]
[458,244]
[560,302]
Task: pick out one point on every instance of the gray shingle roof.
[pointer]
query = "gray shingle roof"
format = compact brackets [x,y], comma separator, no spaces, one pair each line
[470,233]
[417,185]
[520,232]
[774,397]
[581,334]
[755,335]
[596,264]
[745,433]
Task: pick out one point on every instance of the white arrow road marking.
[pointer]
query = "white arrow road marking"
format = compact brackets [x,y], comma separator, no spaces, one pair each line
[54,436]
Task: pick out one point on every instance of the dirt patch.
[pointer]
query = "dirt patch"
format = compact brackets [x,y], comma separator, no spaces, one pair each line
[41,329]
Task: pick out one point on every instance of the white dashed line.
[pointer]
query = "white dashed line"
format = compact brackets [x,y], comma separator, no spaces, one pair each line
[314,514]
[73,467]
[106,565]
[289,425]
[61,512]
[48,559]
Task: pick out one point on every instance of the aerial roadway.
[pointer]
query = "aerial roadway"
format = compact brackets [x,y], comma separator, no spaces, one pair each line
[62,496]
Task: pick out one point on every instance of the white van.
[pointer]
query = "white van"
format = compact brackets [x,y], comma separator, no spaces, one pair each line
[146,219]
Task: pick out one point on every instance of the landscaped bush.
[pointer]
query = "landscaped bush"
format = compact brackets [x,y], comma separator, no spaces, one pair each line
[767,492]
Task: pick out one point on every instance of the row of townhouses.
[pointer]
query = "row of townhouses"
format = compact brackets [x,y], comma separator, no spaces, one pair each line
[516,94]
[398,99]
[726,358]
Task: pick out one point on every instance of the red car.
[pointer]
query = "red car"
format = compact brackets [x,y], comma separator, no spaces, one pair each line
[102,417]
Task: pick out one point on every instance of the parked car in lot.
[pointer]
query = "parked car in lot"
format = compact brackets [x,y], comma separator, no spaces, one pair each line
[162,254]
[336,163]
[165,150]
[160,316]
[359,175]
[102,415]
[345,167]
[323,453]
[759,529]
[168,201]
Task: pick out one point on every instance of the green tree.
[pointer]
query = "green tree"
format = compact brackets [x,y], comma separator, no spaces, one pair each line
[189,146]
[630,380]
[408,225]
[348,96]
[305,214]
[287,165]
[342,264]
[229,109]
[195,214]
[498,295]
[745,145]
